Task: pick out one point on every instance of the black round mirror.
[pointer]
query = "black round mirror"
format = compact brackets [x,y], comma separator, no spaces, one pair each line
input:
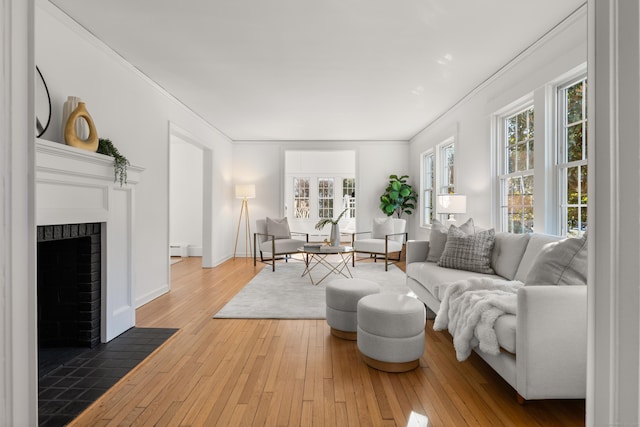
[42,104]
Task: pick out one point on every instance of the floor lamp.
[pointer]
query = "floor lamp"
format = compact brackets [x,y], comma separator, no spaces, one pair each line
[244,192]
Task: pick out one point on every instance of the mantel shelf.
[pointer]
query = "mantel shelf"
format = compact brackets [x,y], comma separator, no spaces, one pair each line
[56,157]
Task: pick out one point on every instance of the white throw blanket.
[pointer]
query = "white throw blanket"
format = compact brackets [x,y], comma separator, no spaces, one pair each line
[469,310]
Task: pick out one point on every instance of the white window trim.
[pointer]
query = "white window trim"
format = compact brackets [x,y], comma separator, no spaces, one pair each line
[559,146]
[499,143]
[423,156]
[439,170]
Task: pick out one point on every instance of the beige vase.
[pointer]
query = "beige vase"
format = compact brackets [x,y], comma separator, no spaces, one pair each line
[71,136]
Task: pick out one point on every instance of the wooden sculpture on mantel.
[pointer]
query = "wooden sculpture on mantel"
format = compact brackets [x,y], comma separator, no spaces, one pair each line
[71,136]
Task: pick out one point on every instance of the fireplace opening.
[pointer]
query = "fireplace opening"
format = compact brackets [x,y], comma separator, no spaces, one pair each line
[69,290]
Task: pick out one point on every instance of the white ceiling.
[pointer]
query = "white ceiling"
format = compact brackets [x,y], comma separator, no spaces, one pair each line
[318,69]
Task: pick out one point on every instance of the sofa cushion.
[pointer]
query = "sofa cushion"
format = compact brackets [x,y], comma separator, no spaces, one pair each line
[438,238]
[505,328]
[536,242]
[381,227]
[560,263]
[468,252]
[507,253]
[279,228]
[436,279]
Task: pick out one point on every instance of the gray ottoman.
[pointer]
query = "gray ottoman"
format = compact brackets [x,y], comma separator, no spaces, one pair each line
[391,331]
[342,296]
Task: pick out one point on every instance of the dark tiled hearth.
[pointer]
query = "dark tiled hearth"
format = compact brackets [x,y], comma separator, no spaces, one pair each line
[65,391]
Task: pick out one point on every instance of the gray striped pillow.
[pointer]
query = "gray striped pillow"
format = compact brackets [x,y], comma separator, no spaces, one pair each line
[468,252]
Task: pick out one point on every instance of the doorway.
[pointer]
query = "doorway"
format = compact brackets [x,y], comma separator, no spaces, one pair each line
[190,163]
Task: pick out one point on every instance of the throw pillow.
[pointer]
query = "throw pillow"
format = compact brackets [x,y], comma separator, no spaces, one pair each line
[279,228]
[468,252]
[438,238]
[507,253]
[381,227]
[560,263]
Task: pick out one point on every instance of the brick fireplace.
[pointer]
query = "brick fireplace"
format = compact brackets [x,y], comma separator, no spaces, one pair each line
[69,285]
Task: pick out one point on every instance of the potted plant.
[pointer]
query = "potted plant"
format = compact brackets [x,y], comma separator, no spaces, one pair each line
[120,162]
[334,237]
[398,197]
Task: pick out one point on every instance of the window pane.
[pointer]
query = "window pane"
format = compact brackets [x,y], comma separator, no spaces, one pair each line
[572,185]
[574,143]
[572,221]
[522,157]
[531,122]
[325,197]
[301,197]
[574,103]
[512,159]
[522,130]
[511,130]
[530,156]
[349,197]
[449,162]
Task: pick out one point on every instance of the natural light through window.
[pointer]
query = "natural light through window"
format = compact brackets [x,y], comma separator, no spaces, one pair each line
[517,172]
[572,164]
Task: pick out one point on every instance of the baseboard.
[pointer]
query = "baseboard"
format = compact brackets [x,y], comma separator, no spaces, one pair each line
[150,296]
[194,250]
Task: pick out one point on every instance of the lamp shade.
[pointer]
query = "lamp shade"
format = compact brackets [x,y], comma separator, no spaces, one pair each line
[451,203]
[245,191]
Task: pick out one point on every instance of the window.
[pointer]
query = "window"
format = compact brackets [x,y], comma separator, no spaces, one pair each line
[349,196]
[325,197]
[572,157]
[428,187]
[437,177]
[301,197]
[447,156]
[517,172]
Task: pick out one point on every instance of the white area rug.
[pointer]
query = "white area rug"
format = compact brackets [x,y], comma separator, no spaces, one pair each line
[283,294]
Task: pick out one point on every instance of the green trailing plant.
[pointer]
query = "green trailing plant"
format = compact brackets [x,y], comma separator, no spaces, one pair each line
[398,197]
[320,225]
[120,162]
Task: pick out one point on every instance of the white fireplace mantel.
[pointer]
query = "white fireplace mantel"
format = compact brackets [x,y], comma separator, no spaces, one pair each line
[77,186]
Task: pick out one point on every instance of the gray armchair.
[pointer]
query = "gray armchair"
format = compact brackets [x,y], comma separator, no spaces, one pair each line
[274,240]
[387,237]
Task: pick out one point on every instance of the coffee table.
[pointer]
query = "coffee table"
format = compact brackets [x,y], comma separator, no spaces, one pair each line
[315,256]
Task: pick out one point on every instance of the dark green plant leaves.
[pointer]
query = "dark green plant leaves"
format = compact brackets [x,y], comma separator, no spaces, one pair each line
[398,197]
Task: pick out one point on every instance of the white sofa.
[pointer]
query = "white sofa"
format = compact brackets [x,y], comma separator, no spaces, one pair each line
[544,348]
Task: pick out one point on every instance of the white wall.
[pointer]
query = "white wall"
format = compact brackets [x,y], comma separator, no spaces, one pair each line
[561,51]
[135,114]
[262,163]
[185,213]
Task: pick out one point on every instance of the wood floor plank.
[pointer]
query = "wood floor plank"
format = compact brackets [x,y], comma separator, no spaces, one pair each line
[294,372]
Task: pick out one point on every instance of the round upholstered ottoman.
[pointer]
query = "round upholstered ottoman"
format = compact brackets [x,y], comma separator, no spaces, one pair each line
[391,331]
[342,297]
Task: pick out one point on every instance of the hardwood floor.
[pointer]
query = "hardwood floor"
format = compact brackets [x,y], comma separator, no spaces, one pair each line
[232,372]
